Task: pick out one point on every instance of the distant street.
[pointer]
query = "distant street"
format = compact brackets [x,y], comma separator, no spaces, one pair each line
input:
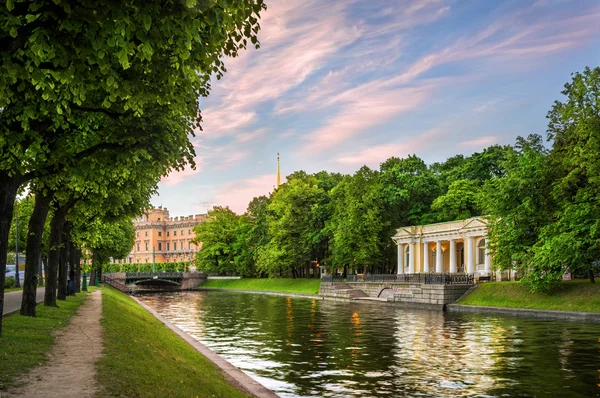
[12,300]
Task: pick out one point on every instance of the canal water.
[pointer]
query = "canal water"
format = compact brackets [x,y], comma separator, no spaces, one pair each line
[310,348]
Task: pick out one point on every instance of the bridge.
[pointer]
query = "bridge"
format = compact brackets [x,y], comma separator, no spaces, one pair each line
[154,281]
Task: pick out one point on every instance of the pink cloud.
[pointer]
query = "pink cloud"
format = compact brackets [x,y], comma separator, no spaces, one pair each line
[365,107]
[479,142]
[176,177]
[237,194]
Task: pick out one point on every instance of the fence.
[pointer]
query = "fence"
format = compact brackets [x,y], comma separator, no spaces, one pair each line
[114,283]
[427,279]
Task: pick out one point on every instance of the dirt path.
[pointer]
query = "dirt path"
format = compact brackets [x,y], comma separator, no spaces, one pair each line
[70,370]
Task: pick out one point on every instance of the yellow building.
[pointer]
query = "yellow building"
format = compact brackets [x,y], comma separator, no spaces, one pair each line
[450,247]
[160,238]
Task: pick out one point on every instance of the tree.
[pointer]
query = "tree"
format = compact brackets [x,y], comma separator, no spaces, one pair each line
[68,68]
[518,207]
[358,221]
[291,226]
[459,202]
[217,237]
[572,240]
[113,240]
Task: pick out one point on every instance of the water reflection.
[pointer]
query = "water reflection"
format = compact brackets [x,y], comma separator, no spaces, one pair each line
[310,348]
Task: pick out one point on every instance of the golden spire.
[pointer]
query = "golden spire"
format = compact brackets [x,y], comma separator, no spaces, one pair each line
[278,171]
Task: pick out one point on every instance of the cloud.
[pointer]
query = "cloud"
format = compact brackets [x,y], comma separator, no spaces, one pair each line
[176,177]
[366,107]
[250,135]
[237,194]
[377,154]
[479,142]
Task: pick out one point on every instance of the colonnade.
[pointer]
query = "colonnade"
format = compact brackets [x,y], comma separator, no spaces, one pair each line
[470,258]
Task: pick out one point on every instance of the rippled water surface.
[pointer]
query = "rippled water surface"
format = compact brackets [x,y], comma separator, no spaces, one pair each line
[309,348]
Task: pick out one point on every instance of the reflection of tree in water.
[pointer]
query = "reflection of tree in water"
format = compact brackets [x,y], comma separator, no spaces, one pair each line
[326,348]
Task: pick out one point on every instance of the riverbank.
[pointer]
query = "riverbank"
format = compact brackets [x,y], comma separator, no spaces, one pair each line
[572,296]
[26,341]
[281,285]
[142,357]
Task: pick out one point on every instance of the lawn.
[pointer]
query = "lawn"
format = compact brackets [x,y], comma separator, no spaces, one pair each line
[26,340]
[143,358]
[284,285]
[578,295]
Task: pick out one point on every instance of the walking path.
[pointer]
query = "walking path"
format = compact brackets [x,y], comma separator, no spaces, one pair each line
[12,300]
[70,371]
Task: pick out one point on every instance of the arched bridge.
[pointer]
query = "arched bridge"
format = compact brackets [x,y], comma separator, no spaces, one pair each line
[154,280]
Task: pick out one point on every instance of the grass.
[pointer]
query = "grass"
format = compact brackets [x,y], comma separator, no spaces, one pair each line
[284,285]
[578,295]
[26,340]
[13,289]
[143,358]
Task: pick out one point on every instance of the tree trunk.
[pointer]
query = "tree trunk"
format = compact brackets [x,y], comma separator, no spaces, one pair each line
[77,264]
[40,270]
[8,194]
[592,277]
[63,262]
[72,268]
[56,229]
[93,272]
[34,252]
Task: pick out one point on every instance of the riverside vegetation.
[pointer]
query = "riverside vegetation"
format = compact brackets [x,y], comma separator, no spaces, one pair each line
[143,358]
[283,285]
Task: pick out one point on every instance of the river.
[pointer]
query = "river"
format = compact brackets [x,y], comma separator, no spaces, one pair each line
[310,348]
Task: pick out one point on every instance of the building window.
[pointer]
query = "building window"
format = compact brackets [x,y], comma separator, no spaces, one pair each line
[138,247]
[137,234]
[174,245]
[146,233]
[146,243]
[406,256]
[174,233]
[182,232]
[189,245]
[189,231]
[168,246]
[481,251]
[159,233]
[159,246]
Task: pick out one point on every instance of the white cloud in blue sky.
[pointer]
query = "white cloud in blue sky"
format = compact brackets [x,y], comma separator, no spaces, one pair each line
[339,84]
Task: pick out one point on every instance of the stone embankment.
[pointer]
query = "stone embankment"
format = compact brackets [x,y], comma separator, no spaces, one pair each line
[417,294]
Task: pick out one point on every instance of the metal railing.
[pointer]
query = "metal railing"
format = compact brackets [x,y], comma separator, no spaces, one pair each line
[114,283]
[427,279]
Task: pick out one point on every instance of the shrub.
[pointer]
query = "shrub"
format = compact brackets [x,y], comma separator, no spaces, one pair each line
[10,282]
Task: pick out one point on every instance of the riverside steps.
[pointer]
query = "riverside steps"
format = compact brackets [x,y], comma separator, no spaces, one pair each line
[153,281]
[427,290]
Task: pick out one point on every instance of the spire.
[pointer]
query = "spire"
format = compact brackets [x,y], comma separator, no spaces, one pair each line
[278,171]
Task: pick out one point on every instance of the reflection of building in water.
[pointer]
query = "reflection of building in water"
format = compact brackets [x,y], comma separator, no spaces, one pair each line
[455,247]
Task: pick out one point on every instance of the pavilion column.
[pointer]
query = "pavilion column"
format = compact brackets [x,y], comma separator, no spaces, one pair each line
[411,258]
[452,256]
[470,255]
[488,264]
[400,258]
[425,256]
[439,266]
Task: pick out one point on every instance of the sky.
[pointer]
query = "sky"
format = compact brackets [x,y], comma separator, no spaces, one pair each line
[337,85]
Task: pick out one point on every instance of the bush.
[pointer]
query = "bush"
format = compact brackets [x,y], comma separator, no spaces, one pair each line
[10,282]
[145,267]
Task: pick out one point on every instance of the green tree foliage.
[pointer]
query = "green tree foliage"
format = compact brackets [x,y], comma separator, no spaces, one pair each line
[572,240]
[459,202]
[218,237]
[358,221]
[77,79]
[518,208]
[291,226]
[113,240]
